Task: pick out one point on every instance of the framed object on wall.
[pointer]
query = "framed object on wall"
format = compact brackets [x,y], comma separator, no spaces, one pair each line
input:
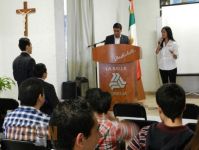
[176,2]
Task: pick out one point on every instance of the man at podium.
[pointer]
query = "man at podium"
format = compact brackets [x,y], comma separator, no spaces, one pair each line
[117,37]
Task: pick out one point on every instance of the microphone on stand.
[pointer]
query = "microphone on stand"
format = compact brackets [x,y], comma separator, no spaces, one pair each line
[94,45]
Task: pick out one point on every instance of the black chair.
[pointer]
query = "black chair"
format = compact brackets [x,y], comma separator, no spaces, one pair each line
[143,123]
[134,110]
[191,112]
[20,145]
[192,126]
[5,105]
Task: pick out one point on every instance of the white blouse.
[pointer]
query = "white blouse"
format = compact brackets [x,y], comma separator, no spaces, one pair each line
[165,57]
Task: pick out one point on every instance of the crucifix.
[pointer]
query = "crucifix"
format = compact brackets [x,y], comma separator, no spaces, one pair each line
[25,11]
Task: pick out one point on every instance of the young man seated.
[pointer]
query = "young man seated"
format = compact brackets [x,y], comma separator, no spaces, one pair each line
[77,127]
[170,134]
[51,99]
[111,130]
[27,122]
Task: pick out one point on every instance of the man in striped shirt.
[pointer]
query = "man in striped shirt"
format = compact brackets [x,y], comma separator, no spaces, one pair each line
[112,131]
[27,122]
[170,134]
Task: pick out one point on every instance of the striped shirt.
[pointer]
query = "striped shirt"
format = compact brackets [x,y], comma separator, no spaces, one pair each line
[160,136]
[112,132]
[26,123]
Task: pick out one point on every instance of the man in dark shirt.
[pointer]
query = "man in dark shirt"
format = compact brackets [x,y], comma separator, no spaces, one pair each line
[51,99]
[170,134]
[23,65]
[117,37]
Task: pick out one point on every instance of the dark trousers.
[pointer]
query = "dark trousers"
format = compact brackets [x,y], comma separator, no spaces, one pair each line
[168,76]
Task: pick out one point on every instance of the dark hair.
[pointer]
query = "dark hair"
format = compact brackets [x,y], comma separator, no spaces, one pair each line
[39,70]
[29,91]
[171,99]
[193,144]
[100,101]
[117,25]
[23,42]
[71,117]
[169,34]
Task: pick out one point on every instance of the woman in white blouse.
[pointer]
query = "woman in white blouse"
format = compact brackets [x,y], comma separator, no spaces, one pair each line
[167,51]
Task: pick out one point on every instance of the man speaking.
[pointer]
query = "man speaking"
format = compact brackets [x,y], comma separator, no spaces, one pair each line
[117,37]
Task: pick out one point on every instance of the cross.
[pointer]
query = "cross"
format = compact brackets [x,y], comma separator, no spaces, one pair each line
[25,11]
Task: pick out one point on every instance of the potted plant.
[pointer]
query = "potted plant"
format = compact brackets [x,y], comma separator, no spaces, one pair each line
[6,83]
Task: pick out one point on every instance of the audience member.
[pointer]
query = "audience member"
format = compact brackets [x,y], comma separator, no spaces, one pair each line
[51,99]
[170,134]
[24,64]
[27,122]
[112,131]
[77,128]
[194,144]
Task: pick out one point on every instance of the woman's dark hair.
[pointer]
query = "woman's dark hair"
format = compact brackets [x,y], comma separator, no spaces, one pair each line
[169,34]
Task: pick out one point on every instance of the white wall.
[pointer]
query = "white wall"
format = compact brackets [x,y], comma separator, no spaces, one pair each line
[107,12]
[146,15]
[42,33]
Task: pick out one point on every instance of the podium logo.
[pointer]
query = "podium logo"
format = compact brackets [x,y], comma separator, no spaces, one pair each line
[117,82]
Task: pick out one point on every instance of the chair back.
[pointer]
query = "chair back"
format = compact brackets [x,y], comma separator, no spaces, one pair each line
[5,105]
[143,123]
[191,112]
[192,126]
[134,110]
[19,145]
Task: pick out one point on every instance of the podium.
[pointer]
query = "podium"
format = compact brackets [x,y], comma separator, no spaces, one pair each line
[117,72]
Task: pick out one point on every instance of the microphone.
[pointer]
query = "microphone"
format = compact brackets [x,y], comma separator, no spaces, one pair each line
[94,45]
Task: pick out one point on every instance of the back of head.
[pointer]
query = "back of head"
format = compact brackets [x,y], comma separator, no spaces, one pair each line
[39,70]
[171,99]
[118,26]
[100,101]
[71,117]
[23,42]
[29,91]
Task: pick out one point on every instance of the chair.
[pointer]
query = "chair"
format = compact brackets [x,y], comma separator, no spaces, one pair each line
[143,123]
[134,110]
[8,144]
[192,126]
[191,112]
[5,105]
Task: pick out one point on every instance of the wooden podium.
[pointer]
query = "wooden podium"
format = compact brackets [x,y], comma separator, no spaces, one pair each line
[117,72]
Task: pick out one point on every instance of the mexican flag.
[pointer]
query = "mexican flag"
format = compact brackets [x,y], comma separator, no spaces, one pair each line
[132,25]
[133,35]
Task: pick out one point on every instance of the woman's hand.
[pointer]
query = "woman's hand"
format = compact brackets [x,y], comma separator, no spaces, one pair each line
[159,46]
[174,55]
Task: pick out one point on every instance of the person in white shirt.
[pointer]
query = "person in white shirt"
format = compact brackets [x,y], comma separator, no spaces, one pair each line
[167,52]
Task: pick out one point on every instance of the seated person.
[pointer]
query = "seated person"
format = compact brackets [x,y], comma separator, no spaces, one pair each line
[51,99]
[170,134]
[27,122]
[194,144]
[77,128]
[112,131]
[117,37]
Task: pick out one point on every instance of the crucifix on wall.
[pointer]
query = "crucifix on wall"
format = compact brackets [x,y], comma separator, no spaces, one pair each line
[25,11]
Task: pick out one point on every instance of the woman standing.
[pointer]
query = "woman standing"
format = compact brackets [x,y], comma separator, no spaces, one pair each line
[167,51]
